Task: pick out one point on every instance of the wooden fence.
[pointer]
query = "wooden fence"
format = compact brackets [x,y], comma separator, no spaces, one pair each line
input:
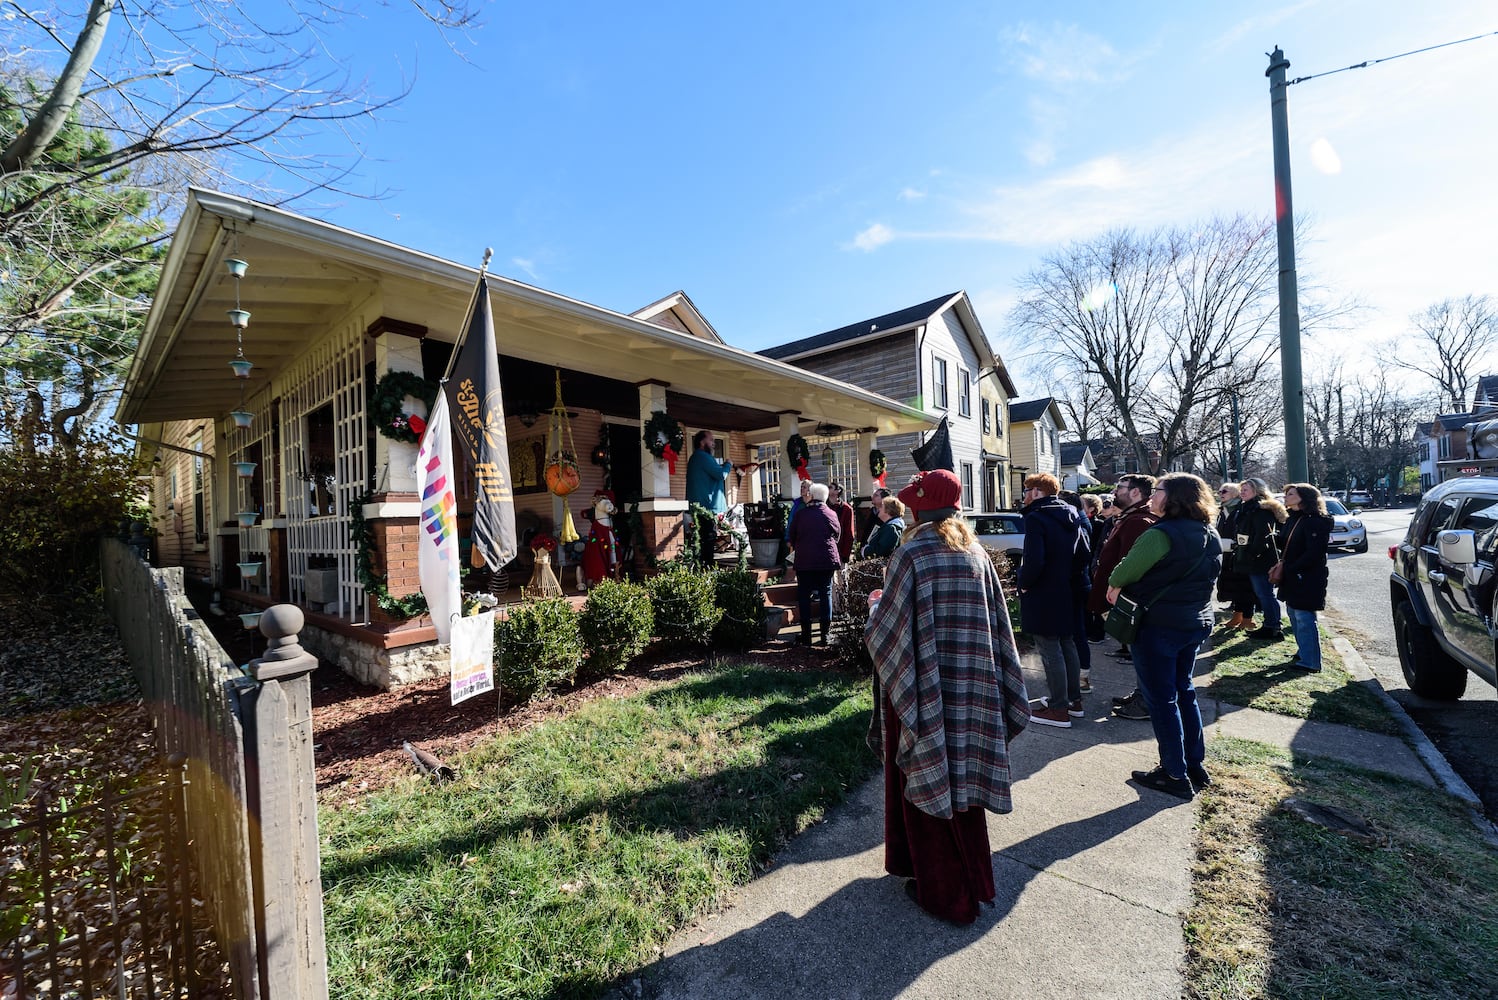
[251,792]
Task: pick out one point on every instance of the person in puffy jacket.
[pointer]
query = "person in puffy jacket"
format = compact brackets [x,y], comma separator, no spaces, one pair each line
[813,540]
[882,542]
[1257,547]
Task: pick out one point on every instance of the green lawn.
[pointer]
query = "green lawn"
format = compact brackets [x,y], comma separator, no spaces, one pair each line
[1284,908]
[1248,673]
[568,854]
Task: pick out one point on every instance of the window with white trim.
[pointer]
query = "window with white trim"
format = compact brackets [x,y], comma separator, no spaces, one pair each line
[967,485]
[964,393]
[987,417]
[939,383]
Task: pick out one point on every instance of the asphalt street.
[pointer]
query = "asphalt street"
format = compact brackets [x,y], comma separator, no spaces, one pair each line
[1466,731]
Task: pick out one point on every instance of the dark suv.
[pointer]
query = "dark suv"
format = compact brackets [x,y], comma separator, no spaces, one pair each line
[1442,589]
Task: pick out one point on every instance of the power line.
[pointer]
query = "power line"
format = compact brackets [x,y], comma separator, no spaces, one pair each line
[1374,62]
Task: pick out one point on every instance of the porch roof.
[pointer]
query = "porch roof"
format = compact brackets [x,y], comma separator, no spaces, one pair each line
[305,276]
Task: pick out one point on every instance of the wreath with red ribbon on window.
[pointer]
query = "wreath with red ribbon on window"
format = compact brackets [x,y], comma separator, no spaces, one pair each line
[799,454]
[878,466]
[664,439]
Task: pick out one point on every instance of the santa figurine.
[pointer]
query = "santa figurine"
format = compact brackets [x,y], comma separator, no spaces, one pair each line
[601,548]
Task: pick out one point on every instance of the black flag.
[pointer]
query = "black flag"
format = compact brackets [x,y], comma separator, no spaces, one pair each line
[478,415]
[936,453]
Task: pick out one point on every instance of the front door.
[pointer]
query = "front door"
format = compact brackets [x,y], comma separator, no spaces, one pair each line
[625,443]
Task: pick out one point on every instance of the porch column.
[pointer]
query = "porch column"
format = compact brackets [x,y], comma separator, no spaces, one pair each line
[655,480]
[395,461]
[867,442]
[660,514]
[790,423]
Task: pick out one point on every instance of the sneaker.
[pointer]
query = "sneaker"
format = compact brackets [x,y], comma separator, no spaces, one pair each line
[1295,664]
[1198,777]
[1050,717]
[1086,686]
[1122,654]
[1117,701]
[1133,709]
[1160,781]
[1267,634]
[1075,709]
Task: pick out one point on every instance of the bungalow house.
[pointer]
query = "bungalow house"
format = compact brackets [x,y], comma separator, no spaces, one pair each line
[277,470]
[1035,427]
[935,356]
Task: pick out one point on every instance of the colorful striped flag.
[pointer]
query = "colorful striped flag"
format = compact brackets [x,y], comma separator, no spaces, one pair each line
[437,539]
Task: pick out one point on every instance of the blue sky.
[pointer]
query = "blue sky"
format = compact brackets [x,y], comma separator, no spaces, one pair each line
[796,167]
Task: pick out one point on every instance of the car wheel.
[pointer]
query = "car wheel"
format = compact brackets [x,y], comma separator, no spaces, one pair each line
[1362,547]
[1429,672]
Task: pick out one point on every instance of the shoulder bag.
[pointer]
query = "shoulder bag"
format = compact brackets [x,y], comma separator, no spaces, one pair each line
[1277,571]
[1127,614]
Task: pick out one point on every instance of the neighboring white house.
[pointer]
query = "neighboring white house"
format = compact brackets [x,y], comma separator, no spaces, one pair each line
[1078,467]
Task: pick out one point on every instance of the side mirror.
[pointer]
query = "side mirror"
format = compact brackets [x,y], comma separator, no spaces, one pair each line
[1458,547]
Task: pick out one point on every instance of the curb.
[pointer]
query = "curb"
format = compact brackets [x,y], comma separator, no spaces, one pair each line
[1435,761]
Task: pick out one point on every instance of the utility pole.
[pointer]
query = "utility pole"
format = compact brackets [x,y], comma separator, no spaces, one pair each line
[1290,377]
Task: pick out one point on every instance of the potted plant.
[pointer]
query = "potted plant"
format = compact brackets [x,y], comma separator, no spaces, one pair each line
[766,526]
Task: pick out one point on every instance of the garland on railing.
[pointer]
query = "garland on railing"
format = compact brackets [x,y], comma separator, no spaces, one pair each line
[725,527]
[374,585]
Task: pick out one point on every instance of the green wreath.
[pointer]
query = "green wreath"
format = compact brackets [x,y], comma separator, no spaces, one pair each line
[877,465]
[390,394]
[662,430]
[797,451]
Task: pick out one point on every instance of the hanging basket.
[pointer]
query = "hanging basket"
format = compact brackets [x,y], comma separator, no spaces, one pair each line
[562,477]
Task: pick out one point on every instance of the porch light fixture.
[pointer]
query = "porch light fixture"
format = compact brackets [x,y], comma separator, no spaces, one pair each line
[528,418]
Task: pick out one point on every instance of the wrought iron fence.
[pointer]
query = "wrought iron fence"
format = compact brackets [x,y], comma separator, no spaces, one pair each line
[96,897]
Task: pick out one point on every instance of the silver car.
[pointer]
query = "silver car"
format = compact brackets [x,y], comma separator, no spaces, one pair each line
[1347,528]
[1005,532]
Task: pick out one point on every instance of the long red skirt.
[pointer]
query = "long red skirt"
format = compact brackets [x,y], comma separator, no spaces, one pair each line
[948,858]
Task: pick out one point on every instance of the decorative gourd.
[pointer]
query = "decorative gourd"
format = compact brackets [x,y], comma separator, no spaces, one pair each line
[562,478]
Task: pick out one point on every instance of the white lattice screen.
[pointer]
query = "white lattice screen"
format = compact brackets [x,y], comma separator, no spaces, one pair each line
[332,372]
[844,467]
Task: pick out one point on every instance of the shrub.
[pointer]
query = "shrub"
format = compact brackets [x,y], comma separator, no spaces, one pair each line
[742,602]
[538,646]
[55,506]
[615,624]
[864,576]
[685,606]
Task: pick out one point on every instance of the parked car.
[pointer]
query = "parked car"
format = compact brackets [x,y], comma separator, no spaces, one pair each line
[1005,532]
[1442,589]
[1348,531]
[1359,498]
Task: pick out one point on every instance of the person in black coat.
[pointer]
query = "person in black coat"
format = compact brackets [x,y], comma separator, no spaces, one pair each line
[1052,580]
[1304,578]
[1233,586]
[1256,548]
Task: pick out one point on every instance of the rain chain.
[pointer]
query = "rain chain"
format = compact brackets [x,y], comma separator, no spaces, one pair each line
[239,318]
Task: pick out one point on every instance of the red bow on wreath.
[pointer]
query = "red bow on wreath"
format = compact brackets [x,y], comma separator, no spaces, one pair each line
[669,454]
[801,472]
[418,425]
[880,479]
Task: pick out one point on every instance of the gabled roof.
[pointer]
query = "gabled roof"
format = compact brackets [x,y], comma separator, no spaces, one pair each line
[1030,409]
[1425,428]
[898,322]
[1075,453]
[1456,421]
[678,312]
[1486,392]
[901,319]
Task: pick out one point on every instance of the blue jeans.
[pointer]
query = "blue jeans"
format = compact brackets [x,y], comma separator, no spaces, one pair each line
[1163,661]
[1264,591]
[1307,638]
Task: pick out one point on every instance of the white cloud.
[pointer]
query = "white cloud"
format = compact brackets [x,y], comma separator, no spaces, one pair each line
[1324,157]
[1040,153]
[873,237]
[527,265]
[911,194]
[1062,55]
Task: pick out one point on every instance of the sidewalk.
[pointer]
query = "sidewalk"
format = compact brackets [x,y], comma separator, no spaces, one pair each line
[1092,874]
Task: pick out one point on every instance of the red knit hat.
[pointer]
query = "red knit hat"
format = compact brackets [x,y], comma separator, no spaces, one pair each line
[932,491]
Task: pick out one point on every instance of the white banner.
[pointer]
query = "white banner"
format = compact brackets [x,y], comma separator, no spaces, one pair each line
[472,656]
[437,538]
